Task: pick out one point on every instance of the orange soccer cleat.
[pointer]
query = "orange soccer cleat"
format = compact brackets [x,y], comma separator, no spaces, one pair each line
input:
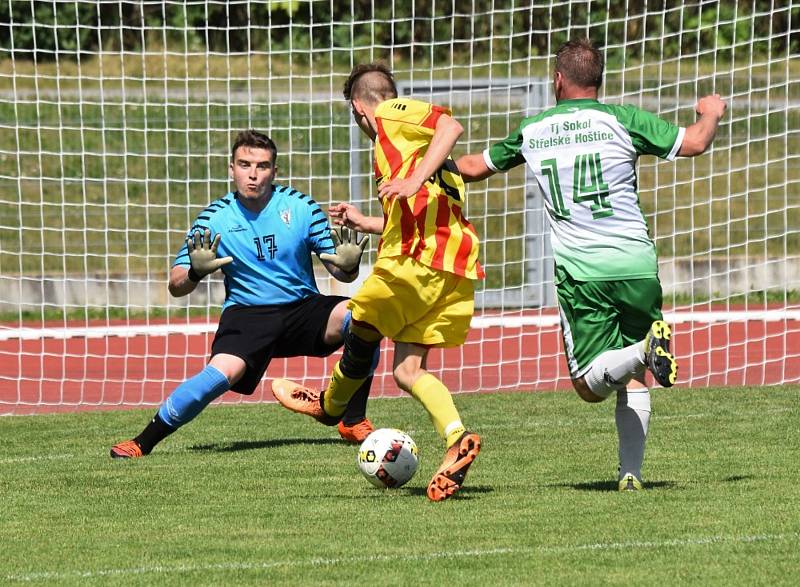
[303,400]
[356,433]
[127,449]
[457,460]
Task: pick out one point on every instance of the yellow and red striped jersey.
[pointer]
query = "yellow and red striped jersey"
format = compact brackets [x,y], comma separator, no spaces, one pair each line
[430,226]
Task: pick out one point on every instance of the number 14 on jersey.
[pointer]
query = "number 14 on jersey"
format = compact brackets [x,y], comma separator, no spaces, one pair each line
[588,185]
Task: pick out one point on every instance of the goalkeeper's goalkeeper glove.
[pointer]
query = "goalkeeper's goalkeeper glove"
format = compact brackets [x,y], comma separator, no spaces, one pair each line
[348,249]
[203,255]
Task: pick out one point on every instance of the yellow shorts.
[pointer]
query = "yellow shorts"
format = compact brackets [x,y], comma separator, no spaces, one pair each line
[407,301]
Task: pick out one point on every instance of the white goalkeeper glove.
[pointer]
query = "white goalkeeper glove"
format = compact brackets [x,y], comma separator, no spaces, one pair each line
[348,249]
[203,255]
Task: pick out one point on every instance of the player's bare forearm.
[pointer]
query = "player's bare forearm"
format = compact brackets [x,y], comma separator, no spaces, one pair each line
[179,282]
[344,214]
[473,167]
[448,131]
[699,136]
[372,225]
[445,136]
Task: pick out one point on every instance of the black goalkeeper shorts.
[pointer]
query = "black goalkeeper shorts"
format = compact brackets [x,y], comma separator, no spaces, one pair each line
[258,334]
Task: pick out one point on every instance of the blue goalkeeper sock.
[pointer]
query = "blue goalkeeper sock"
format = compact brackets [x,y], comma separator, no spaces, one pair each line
[192,396]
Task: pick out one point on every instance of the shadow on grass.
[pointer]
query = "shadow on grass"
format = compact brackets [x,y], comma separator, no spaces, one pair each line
[612,485]
[260,444]
[737,478]
[463,493]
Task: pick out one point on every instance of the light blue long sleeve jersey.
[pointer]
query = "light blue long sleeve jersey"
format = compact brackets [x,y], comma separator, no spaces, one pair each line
[271,250]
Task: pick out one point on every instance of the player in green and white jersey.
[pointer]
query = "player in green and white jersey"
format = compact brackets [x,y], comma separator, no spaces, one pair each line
[583,154]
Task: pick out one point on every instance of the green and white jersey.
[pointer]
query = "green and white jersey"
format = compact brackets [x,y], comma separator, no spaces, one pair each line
[583,154]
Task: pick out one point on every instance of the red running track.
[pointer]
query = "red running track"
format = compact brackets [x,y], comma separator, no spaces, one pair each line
[47,375]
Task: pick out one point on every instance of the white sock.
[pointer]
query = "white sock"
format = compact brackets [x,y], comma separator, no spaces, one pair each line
[633,418]
[612,370]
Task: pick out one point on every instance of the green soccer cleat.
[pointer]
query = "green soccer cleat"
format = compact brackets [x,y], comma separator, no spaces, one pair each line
[629,482]
[657,357]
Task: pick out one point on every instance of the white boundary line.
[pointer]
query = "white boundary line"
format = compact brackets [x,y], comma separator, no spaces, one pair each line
[480,322]
[671,317]
[318,562]
[15,460]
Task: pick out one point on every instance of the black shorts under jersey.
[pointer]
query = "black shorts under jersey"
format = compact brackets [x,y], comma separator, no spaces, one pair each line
[258,334]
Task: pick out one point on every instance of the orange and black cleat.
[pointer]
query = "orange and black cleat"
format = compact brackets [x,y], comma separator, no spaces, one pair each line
[457,460]
[127,449]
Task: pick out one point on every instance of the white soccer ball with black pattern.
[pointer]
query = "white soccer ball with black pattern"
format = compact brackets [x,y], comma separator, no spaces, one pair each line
[388,458]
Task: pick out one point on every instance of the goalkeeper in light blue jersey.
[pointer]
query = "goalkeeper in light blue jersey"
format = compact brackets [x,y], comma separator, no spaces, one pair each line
[583,155]
[261,237]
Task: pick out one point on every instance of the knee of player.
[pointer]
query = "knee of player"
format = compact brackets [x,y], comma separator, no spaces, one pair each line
[584,392]
[338,324]
[232,367]
[405,375]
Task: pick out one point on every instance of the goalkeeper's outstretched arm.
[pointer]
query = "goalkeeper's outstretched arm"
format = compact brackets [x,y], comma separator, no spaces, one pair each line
[344,262]
[179,283]
[203,261]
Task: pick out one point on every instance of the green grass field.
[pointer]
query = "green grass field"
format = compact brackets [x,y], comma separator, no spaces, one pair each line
[257,495]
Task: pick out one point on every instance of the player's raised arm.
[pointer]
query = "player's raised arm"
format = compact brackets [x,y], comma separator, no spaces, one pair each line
[699,135]
[202,251]
[473,167]
[447,132]
[179,283]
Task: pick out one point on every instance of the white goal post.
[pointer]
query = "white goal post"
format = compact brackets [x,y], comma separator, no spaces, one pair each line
[116,120]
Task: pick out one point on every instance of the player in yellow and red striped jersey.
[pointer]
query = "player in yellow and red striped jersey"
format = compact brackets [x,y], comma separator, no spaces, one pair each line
[429,226]
[420,293]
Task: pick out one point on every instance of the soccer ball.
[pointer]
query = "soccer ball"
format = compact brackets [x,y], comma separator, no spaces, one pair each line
[388,458]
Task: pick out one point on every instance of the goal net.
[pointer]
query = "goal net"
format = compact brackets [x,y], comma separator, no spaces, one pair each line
[116,121]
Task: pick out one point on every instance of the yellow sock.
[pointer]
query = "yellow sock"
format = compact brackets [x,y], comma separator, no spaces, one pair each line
[436,399]
[340,389]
